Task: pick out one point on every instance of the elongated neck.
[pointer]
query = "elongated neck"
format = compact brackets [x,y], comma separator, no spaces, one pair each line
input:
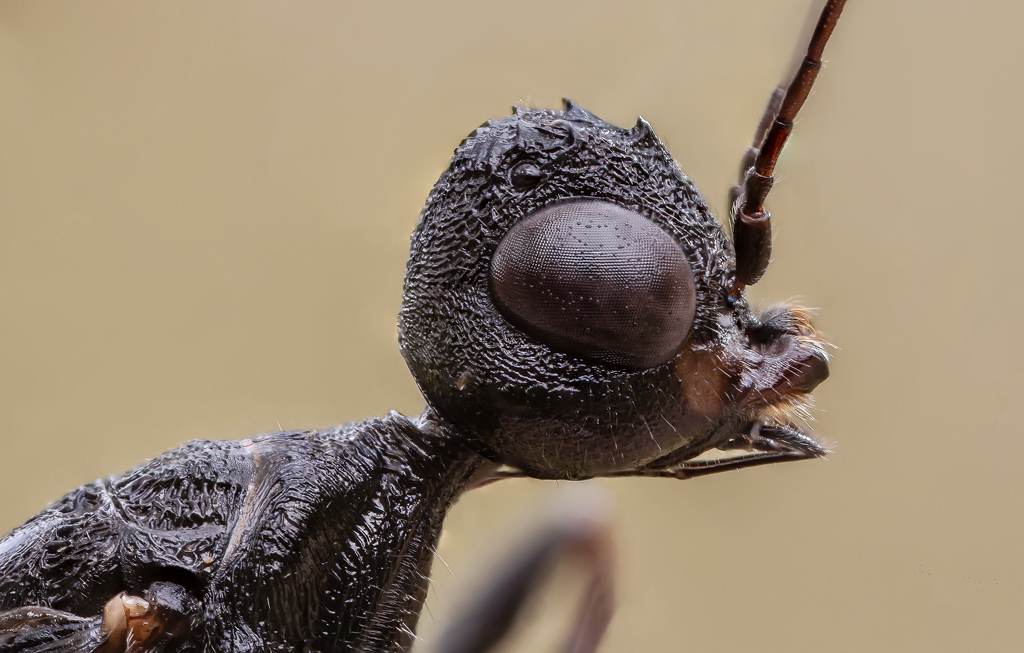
[424,468]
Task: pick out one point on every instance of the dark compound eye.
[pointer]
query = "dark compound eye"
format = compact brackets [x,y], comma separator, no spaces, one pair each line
[525,175]
[594,279]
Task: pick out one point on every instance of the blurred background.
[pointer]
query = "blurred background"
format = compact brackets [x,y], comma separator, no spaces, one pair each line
[204,220]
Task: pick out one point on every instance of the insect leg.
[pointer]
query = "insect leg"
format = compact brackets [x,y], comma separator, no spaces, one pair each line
[581,534]
[751,223]
[765,444]
[695,468]
[32,628]
[129,624]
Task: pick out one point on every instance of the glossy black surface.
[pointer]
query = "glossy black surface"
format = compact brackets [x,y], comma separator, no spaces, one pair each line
[322,540]
[318,540]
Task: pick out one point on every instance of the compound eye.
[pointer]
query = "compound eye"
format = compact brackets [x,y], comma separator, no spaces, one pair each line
[597,280]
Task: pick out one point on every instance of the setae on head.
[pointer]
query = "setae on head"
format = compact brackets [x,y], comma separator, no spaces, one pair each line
[570,304]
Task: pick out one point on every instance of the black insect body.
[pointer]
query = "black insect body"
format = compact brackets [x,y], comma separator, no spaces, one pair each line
[320,539]
[571,309]
[550,378]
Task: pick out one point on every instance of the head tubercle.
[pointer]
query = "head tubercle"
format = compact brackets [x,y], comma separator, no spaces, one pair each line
[552,134]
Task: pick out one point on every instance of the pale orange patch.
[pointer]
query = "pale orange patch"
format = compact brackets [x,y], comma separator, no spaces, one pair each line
[705,381]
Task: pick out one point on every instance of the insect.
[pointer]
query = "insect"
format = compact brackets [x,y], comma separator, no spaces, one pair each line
[572,309]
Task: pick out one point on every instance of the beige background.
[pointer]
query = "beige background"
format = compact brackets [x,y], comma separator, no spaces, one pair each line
[205,217]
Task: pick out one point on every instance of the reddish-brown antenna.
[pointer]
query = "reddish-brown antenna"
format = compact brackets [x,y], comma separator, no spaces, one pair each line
[751,223]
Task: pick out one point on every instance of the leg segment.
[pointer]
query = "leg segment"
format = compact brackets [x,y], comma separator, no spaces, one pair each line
[577,533]
[764,444]
[129,624]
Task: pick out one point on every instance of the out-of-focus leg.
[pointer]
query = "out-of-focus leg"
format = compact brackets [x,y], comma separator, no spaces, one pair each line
[581,534]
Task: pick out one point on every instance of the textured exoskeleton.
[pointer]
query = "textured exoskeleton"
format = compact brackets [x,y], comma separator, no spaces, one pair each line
[289,541]
[571,309]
